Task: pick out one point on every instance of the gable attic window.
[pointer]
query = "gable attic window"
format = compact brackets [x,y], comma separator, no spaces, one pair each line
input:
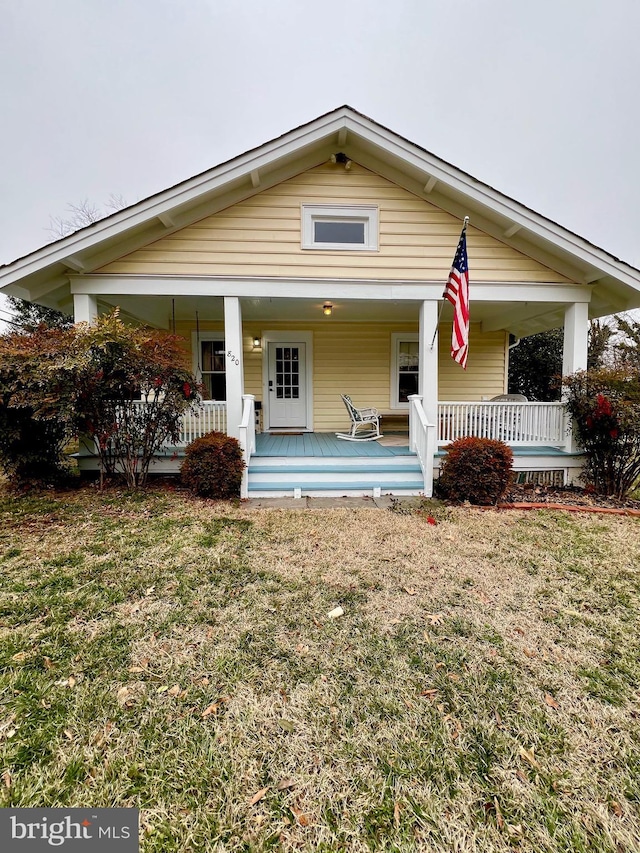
[352,227]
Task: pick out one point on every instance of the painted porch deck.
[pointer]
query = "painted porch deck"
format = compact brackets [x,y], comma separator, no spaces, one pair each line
[324,444]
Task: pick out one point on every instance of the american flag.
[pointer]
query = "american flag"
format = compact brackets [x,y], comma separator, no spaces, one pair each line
[457,292]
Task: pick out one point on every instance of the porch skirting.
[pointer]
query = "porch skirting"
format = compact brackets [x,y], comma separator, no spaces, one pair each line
[319,464]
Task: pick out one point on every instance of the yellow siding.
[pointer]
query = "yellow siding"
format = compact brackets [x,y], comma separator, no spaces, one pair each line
[355,359]
[262,236]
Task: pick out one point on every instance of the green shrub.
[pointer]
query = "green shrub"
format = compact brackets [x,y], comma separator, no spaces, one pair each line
[213,466]
[605,407]
[476,470]
[32,451]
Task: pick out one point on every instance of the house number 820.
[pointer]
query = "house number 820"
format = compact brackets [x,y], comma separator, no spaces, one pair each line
[233,358]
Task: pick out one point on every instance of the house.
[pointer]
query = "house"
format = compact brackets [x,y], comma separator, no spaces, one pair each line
[313,266]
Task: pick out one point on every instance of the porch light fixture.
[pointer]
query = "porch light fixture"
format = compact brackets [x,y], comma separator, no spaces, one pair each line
[341,158]
[257,342]
[327,309]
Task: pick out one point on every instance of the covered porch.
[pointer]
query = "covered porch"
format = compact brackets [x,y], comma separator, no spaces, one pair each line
[358,350]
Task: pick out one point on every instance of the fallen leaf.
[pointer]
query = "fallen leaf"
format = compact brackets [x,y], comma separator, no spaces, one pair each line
[431,520]
[287,725]
[6,778]
[123,695]
[283,784]
[135,669]
[616,808]
[530,653]
[301,649]
[521,776]
[49,664]
[71,681]
[528,755]
[430,693]
[409,590]
[176,690]
[213,707]
[69,734]
[496,714]
[519,631]
[19,656]
[258,796]
[551,702]
[149,590]
[163,689]
[302,819]
[396,813]
[435,618]
[452,676]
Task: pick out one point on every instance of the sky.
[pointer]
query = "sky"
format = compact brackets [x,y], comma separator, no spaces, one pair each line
[128,97]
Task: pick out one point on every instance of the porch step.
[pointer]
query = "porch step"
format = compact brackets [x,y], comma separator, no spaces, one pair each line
[282,476]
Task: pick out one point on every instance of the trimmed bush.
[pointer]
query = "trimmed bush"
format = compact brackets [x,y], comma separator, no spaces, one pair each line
[477,470]
[605,407]
[213,466]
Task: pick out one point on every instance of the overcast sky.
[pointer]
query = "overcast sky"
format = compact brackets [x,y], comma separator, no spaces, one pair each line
[538,99]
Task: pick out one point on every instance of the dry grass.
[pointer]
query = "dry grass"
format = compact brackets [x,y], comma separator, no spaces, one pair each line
[479,694]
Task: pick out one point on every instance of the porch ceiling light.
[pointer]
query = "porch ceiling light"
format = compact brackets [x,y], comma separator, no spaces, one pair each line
[327,309]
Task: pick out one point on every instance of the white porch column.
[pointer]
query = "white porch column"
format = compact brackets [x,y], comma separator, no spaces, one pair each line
[574,351]
[234,363]
[85,308]
[428,367]
[576,336]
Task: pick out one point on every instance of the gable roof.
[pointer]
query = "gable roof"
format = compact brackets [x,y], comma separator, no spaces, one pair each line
[43,275]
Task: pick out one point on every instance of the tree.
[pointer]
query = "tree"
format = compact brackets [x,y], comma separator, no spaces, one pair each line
[36,421]
[535,364]
[132,388]
[29,315]
[628,348]
[123,388]
[599,346]
[82,214]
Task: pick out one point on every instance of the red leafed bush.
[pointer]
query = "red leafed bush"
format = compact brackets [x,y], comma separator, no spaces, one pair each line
[477,470]
[213,466]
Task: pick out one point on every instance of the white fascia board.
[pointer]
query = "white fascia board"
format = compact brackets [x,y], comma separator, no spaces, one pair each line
[493,199]
[329,288]
[163,202]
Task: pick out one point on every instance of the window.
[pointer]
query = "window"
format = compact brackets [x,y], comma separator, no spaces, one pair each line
[346,227]
[212,366]
[405,368]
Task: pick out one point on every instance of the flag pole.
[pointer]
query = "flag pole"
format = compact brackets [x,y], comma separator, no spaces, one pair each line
[442,301]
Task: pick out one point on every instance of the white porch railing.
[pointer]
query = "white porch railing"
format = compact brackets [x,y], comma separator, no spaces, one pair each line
[209,415]
[422,440]
[247,438]
[532,424]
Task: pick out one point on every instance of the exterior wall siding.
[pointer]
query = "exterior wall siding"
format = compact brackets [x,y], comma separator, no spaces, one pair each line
[262,236]
[355,359]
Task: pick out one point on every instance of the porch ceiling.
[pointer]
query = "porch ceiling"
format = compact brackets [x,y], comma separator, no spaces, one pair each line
[519,318]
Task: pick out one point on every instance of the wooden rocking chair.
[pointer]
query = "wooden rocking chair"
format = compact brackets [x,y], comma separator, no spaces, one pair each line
[365,423]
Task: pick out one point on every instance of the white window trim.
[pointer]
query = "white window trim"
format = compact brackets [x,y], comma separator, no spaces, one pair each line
[396,338]
[366,213]
[196,341]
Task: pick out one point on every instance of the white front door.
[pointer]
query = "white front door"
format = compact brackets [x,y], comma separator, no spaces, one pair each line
[287,386]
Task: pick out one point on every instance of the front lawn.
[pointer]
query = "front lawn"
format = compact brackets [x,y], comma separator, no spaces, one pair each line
[480,692]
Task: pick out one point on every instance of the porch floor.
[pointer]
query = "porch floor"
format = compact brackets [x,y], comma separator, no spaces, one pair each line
[326,444]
